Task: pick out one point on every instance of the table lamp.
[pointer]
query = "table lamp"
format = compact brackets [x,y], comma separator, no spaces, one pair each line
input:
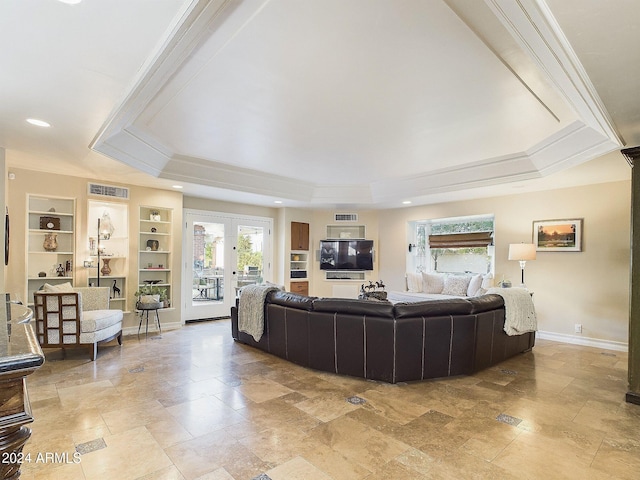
[522,252]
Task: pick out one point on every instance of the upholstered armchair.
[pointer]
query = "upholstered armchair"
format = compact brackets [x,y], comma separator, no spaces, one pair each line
[78,317]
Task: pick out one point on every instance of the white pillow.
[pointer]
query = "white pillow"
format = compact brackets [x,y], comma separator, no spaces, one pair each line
[487,281]
[414,282]
[61,287]
[474,285]
[456,285]
[432,282]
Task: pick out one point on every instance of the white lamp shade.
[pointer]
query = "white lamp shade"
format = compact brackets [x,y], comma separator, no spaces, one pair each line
[522,251]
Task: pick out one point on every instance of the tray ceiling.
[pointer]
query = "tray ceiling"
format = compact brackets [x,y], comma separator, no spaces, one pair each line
[325,103]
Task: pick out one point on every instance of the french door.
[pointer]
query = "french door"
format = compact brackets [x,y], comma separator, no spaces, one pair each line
[222,252]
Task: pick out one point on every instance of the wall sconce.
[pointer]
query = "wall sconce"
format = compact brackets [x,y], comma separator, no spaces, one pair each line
[411,247]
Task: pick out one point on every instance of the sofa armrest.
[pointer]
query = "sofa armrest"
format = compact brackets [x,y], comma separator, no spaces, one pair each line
[94,298]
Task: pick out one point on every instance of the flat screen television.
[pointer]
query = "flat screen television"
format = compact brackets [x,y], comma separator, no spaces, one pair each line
[346,255]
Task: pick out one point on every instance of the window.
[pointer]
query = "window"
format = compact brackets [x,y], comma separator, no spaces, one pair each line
[452,245]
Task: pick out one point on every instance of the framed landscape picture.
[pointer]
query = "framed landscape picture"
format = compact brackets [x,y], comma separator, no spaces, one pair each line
[558,235]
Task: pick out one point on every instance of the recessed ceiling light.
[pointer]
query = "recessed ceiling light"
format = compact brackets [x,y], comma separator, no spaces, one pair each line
[38,123]
[70,2]
[277,201]
[177,186]
[407,202]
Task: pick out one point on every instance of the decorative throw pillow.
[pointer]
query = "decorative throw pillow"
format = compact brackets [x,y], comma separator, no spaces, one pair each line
[487,281]
[432,282]
[414,282]
[456,285]
[62,287]
[474,285]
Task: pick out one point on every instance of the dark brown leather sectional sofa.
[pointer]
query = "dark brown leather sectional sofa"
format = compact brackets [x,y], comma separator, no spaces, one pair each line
[383,341]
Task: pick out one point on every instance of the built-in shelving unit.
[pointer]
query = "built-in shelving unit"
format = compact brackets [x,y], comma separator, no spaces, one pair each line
[298,264]
[113,241]
[155,245]
[299,258]
[346,232]
[51,219]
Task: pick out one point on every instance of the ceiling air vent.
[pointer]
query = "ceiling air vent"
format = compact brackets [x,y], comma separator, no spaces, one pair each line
[108,191]
[345,217]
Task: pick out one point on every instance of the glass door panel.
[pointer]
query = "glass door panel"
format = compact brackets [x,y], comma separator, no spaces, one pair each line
[221,254]
[208,262]
[250,254]
[206,289]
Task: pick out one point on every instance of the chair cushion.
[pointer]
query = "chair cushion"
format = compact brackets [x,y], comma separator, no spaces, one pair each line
[61,287]
[95,320]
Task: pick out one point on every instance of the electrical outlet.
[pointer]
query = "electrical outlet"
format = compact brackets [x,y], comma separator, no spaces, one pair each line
[578,328]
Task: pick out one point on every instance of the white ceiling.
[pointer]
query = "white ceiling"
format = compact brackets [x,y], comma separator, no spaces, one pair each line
[323,103]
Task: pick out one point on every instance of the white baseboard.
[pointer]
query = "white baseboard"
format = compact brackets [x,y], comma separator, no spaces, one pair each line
[587,342]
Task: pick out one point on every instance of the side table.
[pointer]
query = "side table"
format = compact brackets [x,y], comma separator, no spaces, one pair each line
[146,308]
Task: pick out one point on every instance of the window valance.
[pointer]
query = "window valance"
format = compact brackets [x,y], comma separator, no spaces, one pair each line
[461,240]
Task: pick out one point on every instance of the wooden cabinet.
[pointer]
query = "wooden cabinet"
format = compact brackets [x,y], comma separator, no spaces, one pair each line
[299,236]
[301,288]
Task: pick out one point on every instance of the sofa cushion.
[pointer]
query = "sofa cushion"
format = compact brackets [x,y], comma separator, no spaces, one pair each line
[474,285]
[456,285]
[288,299]
[95,320]
[433,308]
[414,282]
[354,306]
[485,303]
[432,282]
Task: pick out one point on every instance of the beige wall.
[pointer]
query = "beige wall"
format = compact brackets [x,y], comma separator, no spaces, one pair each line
[30,182]
[590,287]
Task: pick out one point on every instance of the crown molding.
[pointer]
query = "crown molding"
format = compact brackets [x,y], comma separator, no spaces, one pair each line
[534,27]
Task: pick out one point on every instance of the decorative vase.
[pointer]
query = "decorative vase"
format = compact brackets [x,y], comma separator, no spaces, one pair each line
[106,269]
[50,242]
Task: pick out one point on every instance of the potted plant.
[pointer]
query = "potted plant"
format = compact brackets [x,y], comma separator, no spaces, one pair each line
[159,293]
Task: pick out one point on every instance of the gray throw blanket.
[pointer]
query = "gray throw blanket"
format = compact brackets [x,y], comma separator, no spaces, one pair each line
[251,309]
[520,314]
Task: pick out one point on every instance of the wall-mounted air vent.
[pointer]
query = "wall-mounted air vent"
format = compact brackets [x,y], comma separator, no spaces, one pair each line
[345,217]
[108,191]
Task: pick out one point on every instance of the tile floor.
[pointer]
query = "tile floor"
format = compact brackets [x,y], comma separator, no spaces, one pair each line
[192,404]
